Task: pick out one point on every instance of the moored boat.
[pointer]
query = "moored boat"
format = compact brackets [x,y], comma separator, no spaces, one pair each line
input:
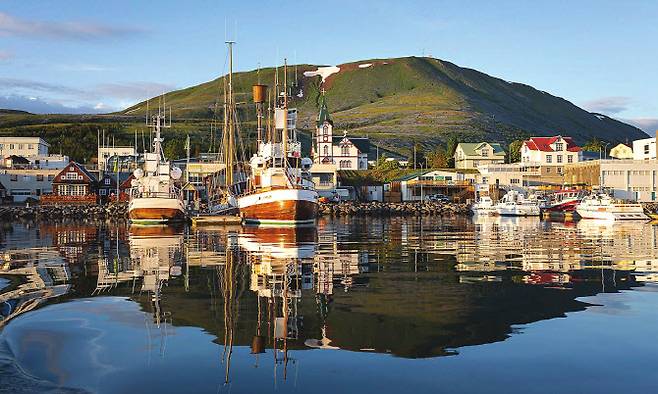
[515,203]
[602,206]
[484,206]
[563,201]
[154,198]
[279,190]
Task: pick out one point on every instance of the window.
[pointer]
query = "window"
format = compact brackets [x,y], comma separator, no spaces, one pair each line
[345,150]
[559,146]
[20,146]
[548,170]
[107,181]
[515,180]
[13,178]
[29,146]
[559,158]
[484,152]
[39,178]
[325,130]
[559,170]
[11,146]
[102,192]
[326,150]
[646,149]
[51,178]
[570,159]
[549,158]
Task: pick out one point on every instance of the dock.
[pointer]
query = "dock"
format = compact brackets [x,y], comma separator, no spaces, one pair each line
[213,220]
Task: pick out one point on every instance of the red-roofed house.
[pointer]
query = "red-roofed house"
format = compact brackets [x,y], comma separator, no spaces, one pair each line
[550,151]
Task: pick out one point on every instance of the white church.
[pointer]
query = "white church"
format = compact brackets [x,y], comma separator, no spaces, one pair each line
[346,153]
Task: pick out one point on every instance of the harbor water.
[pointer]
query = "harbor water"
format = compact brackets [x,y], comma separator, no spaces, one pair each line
[387,305]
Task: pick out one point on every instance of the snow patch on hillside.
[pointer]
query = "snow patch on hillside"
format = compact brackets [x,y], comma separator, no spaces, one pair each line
[365,65]
[324,72]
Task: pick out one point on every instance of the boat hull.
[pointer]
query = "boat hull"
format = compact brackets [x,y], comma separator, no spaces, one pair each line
[611,214]
[518,211]
[279,207]
[563,207]
[156,210]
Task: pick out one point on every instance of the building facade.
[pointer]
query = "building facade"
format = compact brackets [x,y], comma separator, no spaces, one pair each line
[550,151]
[74,181]
[23,146]
[472,155]
[644,149]
[346,153]
[634,180]
[622,152]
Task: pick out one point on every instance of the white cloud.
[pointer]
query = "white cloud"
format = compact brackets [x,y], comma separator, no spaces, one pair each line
[648,125]
[13,26]
[608,105]
[40,105]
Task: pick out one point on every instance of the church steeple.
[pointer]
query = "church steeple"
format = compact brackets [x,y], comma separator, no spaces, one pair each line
[324,135]
[323,115]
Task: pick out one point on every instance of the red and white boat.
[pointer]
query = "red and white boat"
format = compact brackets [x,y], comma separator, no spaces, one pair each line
[563,201]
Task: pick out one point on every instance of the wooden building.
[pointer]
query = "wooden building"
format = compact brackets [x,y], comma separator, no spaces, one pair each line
[74,184]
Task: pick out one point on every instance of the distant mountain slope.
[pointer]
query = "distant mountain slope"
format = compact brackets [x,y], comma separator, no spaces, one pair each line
[400,101]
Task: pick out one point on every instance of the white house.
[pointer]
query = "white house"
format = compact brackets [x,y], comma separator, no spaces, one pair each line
[644,149]
[621,152]
[23,146]
[347,153]
[472,155]
[550,151]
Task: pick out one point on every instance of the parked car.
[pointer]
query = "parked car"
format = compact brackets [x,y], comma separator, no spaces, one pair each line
[438,198]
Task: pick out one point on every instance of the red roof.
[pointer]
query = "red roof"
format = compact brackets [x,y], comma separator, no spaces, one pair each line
[544,143]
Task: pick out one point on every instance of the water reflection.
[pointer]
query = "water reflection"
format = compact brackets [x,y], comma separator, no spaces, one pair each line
[413,288]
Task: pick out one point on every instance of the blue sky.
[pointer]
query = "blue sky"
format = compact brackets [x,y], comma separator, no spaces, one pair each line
[80,56]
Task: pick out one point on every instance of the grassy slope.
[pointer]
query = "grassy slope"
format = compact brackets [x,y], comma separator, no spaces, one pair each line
[396,102]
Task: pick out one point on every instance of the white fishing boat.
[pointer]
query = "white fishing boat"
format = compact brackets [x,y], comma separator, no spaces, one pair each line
[602,206]
[154,198]
[515,203]
[484,206]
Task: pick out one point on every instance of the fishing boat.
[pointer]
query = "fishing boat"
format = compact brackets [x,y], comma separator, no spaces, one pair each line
[602,206]
[279,189]
[484,206]
[563,201]
[154,198]
[515,203]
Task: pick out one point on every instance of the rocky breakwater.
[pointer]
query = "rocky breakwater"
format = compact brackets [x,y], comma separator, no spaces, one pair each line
[394,209]
[54,212]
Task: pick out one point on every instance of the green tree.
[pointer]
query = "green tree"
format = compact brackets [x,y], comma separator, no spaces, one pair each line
[438,159]
[593,145]
[174,149]
[515,151]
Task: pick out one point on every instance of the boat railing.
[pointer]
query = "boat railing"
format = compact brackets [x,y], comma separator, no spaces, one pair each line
[174,193]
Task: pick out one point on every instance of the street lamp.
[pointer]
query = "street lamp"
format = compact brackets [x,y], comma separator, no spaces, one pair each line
[605,150]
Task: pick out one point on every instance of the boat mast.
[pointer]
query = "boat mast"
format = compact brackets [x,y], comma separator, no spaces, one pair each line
[228,114]
[284,135]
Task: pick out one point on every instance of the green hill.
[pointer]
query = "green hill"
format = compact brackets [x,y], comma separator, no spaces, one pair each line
[396,102]
[400,101]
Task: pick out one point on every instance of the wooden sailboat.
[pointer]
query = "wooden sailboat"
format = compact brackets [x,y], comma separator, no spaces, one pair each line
[280,189]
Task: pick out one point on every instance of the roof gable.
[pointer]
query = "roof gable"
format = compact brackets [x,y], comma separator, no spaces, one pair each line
[470,148]
[543,144]
[62,176]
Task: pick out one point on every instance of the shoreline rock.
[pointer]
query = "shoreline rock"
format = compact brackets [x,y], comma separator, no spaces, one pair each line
[49,212]
[412,208]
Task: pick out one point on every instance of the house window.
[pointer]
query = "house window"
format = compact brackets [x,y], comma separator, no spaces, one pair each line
[13,178]
[646,149]
[325,130]
[559,146]
[102,192]
[514,181]
[559,170]
[326,150]
[107,181]
[559,158]
[51,178]
[570,159]
[549,158]
[39,178]
[484,152]
[345,150]
[548,170]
